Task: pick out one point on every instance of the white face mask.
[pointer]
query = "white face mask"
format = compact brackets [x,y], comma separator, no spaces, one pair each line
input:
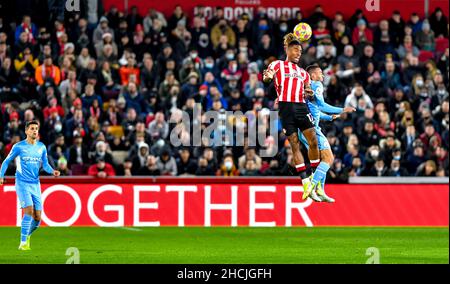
[58,127]
[419,83]
[194,55]
[229,56]
[228,165]
[374,153]
[395,169]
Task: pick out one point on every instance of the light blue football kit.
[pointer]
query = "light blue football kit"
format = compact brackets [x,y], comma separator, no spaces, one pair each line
[29,159]
[319,109]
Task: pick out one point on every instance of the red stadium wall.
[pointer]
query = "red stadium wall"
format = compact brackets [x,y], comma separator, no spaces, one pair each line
[233,8]
[229,202]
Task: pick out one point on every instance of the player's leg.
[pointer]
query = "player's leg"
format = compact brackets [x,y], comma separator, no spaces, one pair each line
[324,166]
[327,157]
[290,126]
[313,151]
[312,195]
[26,203]
[36,221]
[299,161]
[37,205]
[313,154]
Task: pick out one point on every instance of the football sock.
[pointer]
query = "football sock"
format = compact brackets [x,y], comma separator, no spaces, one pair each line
[314,164]
[322,182]
[320,173]
[302,171]
[34,225]
[25,229]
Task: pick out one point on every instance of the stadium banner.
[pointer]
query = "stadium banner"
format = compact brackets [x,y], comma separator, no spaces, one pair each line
[374,10]
[232,202]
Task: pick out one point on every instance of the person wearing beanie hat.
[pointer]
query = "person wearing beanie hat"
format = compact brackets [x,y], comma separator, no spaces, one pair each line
[101,29]
[425,38]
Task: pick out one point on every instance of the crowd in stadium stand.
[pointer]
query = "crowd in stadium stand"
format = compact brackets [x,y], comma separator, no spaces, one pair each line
[104,86]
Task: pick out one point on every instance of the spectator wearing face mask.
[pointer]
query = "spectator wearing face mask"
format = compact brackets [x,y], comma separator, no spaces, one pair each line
[228,168]
[379,169]
[396,170]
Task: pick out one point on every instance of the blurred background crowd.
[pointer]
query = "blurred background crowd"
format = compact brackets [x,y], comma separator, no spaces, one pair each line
[105,85]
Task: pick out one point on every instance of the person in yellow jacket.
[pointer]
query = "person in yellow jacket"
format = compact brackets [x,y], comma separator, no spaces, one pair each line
[26,60]
[222,28]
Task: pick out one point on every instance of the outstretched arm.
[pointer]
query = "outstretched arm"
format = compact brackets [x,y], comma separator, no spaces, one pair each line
[323,106]
[45,165]
[326,117]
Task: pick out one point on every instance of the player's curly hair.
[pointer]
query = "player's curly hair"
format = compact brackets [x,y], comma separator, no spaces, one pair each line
[290,38]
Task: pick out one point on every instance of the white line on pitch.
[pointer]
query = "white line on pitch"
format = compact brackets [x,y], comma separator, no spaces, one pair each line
[130,229]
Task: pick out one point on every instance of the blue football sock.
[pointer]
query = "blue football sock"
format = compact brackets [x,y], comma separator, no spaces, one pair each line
[322,182]
[25,229]
[34,225]
[320,173]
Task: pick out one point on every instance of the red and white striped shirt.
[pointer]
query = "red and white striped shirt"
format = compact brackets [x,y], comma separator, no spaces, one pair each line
[289,80]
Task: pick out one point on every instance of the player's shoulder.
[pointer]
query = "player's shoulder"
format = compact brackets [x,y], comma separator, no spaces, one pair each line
[275,62]
[40,144]
[19,144]
[316,84]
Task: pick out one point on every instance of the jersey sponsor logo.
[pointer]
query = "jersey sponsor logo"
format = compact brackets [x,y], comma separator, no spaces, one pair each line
[31,159]
[294,75]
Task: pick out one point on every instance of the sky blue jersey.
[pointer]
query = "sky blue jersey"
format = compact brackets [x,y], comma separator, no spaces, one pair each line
[29,159]
[318,107]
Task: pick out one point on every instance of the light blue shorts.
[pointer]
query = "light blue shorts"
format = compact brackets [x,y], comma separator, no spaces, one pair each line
[321,140]
[29,194]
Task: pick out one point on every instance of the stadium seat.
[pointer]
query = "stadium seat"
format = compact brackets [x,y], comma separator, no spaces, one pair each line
[78,170]
[119,156]
[425,55]
[441,45]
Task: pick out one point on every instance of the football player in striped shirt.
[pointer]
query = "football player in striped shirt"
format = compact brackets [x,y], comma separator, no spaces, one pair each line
[292,85]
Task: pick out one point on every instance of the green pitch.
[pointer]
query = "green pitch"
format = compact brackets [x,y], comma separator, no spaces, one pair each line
[228,245]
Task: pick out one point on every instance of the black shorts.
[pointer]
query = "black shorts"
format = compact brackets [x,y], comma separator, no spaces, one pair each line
[295,116]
